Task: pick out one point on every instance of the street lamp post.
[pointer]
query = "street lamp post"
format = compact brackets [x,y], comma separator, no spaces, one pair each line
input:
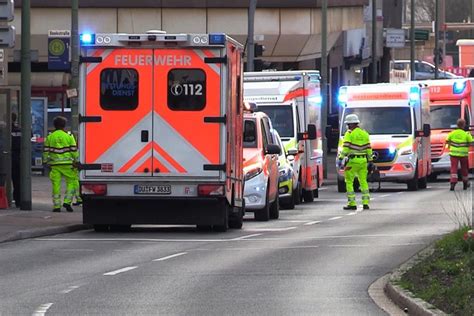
[75,66]
[251,34]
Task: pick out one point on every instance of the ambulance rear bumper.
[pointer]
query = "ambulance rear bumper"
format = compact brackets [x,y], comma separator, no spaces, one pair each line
[110,210]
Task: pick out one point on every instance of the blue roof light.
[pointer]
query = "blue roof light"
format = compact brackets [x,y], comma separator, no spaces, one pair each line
[342,96]
[414,94]
[87,39]
[217,39]
[459,87]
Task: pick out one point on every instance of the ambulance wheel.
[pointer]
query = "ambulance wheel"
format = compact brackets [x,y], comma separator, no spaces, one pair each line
[297,194]
[101,228]
[308,196]
[412,185]
[341,186]
[423,183]
[236,221]
[120,228]
[225,221]
[275,207]
[263,214]
[289,203]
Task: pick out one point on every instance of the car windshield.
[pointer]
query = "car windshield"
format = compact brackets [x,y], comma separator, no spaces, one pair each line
[281,117]
[382,120]
[444,116]
[250,134]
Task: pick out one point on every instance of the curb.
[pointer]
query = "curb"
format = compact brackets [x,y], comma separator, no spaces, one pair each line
[405,299]
[40,232]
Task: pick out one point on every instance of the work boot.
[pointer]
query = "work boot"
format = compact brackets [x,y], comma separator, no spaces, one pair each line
[453,185]
[57,210]
[465,185]
[366,207]
[68,207]
[77,203]
[350,208]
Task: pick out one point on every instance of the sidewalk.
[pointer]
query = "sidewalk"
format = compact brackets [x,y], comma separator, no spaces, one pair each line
[16,224]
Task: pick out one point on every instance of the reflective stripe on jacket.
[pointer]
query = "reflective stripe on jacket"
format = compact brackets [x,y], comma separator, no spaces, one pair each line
[60,149]
[458,142]
[356,143]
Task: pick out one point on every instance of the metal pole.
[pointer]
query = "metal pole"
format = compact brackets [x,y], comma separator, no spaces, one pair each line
[75,65]
[25,156]
[374,41]
[412,40]
[324,81]
[250,37]
[443,20]
[436,50]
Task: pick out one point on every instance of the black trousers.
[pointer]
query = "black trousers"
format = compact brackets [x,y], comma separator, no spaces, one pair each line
[16,180]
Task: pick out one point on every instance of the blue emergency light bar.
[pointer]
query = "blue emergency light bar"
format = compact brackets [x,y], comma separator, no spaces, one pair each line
[342,96]
[217,38]
[87,39]
[459,87]
[414,94]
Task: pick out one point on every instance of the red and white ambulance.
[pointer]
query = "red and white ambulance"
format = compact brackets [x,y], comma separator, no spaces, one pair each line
[161,130]
[397,118]
[449,101]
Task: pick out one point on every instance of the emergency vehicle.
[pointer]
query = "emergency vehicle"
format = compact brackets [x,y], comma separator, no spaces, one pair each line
[292,100]
[161,130]
[397,118]
[450,100]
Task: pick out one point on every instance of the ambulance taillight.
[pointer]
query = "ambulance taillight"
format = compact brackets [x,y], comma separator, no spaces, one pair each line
[210,190]
[93,189]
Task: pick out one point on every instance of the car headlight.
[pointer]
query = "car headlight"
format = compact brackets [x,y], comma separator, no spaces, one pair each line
[252,173]
[408,150]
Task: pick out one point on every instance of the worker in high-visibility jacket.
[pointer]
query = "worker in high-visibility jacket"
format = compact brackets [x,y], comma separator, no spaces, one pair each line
[356,158]
[458,142]
[60,154]
[77,193]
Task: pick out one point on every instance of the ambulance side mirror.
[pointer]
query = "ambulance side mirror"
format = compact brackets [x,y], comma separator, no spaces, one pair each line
[273,149]
[426,132]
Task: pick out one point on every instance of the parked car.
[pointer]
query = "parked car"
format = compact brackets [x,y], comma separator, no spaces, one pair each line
[400,71]
[260,167]
[288,181]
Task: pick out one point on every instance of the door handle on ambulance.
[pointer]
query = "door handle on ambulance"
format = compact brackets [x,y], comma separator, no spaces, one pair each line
[144,137]
[146,170]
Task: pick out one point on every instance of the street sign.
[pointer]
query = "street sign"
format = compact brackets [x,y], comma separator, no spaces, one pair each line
[58,49]
[422,35]
[395,38]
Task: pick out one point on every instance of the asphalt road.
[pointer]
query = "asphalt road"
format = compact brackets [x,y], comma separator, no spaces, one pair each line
[316,259]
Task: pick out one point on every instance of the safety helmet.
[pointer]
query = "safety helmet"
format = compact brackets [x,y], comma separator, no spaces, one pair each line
[352,119]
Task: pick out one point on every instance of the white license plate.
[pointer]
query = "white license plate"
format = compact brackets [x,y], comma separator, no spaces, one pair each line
[152,189]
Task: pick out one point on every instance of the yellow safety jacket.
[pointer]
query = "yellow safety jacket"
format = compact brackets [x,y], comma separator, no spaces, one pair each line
[60,149]
[356,144]
[458,142]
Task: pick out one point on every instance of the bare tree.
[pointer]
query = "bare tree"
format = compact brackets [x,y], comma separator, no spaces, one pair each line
[456,10]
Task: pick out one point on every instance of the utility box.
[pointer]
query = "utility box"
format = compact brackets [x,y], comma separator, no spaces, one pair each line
[7,36]
[7,10]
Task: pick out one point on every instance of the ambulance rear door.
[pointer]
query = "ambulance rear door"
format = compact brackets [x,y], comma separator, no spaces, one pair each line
[117,113]
[188,113]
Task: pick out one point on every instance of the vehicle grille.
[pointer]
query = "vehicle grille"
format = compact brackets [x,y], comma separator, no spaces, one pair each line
[436,150]
[384,155]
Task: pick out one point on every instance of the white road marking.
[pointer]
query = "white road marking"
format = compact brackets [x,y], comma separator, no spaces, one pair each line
[40,311]
[248,236]
[322,189]
[292,221]
[70,289]
[270,229]
[351,214]
[76,250]
[120,270]
[171,256]
[401,192]
[254,248]
[131,239]
[385,195]
[312,223]
[334,218]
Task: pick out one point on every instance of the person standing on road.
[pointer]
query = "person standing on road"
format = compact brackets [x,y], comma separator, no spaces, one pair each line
[458,142]
[60,154]
[357,154]
[16,147]
[77,193]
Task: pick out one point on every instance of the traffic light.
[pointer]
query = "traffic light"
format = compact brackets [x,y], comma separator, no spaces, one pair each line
[258,50]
